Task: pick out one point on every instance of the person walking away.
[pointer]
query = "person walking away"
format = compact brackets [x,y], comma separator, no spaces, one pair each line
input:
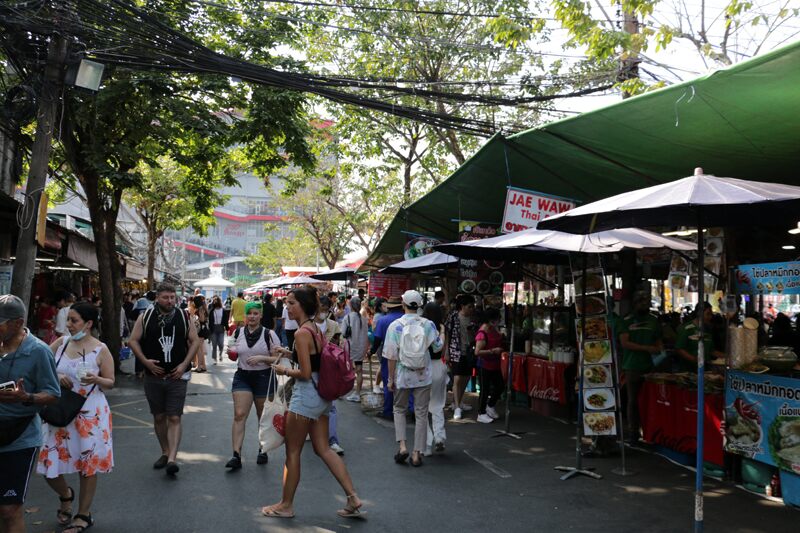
[84,446]
[330,330]
[237,310]
[27,362]
[217,325]
[254,379]
[355,330]
[200,317]
[164,340]
[406,346]
[458,346]
[289,327]
[64,303]
[488,348]
[437,436]
[268,312]
[394,310]
[380,310]
[308,412]
[279,321]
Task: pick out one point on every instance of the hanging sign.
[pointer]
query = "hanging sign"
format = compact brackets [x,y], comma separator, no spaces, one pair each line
[417,246]
[524,209]
[762,418]
[768,278]
[388,285]
[476,276]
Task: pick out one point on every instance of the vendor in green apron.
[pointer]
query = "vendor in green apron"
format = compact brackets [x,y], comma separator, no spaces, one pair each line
[640,338]
[689,337]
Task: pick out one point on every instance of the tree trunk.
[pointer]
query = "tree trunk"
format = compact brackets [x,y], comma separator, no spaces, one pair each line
[104,223]
[152,240]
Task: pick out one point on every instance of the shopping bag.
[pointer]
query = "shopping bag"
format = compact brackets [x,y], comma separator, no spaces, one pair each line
[272,426]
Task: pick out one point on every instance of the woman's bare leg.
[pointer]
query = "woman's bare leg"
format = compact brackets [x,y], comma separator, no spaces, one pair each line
[319,440]
[296,430]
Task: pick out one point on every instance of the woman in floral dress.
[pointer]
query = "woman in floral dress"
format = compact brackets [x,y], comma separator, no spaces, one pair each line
[84,446]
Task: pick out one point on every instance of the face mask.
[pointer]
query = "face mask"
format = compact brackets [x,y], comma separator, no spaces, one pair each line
[78,336]
[323,316]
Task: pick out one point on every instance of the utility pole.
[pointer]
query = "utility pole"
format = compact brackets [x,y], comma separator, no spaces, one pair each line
[52,81]
[630,65]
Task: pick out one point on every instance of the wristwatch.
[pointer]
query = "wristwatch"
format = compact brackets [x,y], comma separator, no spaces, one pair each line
[29,401]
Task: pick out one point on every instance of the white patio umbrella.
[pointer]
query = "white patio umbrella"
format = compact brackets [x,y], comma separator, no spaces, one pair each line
[702,201]
[296,280]
[214,283]
[431,261]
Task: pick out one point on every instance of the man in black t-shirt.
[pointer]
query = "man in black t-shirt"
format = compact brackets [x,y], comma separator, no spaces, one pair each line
[164,341]
[269,313]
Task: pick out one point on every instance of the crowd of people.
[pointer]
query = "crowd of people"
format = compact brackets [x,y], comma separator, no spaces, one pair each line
[420,346]
[424,349]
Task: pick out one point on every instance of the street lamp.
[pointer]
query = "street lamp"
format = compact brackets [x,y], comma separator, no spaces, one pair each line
[85,74]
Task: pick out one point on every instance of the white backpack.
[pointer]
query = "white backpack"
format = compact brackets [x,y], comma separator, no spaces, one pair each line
[412,346]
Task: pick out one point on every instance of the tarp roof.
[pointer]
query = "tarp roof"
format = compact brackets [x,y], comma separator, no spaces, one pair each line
[742,122]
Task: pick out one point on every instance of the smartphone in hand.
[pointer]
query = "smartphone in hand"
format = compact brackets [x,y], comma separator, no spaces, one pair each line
[8,386]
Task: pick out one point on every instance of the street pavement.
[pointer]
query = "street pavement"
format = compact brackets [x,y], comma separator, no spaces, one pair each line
[479,484]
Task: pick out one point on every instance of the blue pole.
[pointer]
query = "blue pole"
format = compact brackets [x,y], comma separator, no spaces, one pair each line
[698,486]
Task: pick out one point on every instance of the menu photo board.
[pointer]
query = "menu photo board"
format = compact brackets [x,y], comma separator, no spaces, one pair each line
[388,285]
[762,418]
[598,384]
[475,276]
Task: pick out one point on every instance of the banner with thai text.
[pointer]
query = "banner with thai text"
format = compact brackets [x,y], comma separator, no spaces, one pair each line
[524,209]
[768,278]
[762,418]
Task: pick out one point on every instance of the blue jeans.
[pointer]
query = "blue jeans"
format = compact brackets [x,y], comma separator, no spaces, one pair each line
[388,396]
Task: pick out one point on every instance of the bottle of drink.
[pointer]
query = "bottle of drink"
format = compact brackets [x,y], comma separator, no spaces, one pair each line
[775,486]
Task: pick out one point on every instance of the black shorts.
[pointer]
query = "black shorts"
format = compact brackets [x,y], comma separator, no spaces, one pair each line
[260,383]
[464,365]
[16,467]
[165,396]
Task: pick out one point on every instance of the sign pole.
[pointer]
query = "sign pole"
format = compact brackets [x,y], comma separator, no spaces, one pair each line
[506,432]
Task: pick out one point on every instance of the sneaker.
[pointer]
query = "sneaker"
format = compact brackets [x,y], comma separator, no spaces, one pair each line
[161,463]
[457,414]
[338,449]
[427,452]
[485,419]
[172,469]
[438,446]
[466,408]
[235,463]
[377,389]
[492,412]
[353,398]
[262,458]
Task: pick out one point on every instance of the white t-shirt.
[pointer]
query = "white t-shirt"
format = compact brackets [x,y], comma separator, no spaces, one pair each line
[288,324]
[61,321]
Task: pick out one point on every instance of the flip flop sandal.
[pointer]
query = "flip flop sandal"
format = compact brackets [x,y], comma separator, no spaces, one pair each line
[77,528]
[418,463]
[400,457]
[351,512]
[272,513]
[65,517]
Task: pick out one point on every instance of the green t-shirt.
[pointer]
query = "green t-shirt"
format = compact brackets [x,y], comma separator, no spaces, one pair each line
[688,339]
[641,329]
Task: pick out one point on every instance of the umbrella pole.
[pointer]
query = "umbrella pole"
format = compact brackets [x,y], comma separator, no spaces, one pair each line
[578,469]
[506,432]
[701,284]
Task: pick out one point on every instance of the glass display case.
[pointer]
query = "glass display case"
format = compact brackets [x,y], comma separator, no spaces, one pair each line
[548,329]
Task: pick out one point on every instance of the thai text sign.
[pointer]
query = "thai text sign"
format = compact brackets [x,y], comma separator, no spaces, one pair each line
[388,285]
[762,418]
[524,209]
[768,278]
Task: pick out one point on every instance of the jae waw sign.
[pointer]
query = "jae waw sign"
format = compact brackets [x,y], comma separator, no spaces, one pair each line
[524,209]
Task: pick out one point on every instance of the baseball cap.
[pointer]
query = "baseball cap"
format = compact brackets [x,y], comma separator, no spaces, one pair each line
[11,308]
[412,299]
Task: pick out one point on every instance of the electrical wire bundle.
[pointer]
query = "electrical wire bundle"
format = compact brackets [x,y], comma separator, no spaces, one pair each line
[116,32]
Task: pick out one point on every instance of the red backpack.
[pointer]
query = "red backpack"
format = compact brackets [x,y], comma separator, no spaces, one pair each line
[336,373]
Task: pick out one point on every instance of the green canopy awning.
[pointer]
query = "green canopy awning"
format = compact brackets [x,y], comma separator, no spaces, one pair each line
[741,122]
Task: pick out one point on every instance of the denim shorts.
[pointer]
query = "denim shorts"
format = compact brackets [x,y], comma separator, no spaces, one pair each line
[256,382]
[306,401]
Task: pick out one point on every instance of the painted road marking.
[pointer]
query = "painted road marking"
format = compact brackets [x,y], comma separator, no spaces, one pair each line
[488,465]
[129,417]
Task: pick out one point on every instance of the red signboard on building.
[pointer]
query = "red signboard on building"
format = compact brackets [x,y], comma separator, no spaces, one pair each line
[387,285]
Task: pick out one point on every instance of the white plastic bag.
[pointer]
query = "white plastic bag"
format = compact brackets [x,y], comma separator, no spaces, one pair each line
[272,426]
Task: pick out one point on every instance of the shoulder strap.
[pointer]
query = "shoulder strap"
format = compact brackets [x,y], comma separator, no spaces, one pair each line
[236,333]
[267,340]
[63,349]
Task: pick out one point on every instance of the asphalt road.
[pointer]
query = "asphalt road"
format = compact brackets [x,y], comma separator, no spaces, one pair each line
[478,484]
